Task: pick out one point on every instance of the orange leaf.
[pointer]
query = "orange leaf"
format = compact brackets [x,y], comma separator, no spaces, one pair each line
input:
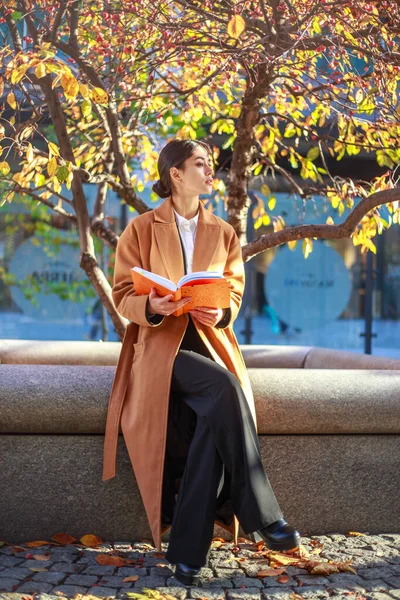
[283,559]
[108,559]
[63,538]
[259,545]
[270,572]
[130,578]
[344,566]
[37,543]
[91,540]
[355,533]
[283,579]
[41,557]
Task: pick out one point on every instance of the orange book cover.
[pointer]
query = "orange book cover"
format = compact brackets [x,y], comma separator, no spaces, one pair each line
[205,288]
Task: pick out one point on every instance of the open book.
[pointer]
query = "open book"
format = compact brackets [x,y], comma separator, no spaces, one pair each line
[206,288]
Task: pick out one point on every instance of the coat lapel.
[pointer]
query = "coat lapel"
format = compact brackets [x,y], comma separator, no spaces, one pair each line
[169,245]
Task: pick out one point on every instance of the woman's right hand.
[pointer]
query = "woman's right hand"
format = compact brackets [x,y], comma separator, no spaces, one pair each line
[162,305]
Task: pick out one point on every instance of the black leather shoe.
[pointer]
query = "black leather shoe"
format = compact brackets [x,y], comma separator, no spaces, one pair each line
[187,574]
[280,536]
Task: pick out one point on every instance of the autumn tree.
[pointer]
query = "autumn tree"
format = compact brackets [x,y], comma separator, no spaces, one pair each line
[291,84]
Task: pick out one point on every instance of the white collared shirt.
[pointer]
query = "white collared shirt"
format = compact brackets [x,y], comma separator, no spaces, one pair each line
[187,229]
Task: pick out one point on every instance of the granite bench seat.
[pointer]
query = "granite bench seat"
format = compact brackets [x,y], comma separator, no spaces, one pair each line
[329,437]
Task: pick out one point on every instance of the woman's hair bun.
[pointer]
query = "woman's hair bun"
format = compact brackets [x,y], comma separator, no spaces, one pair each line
[160,189]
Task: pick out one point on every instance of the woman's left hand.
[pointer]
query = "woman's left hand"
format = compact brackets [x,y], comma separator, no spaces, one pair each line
[207,316]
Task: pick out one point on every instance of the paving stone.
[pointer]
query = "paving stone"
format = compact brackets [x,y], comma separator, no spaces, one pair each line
[275,593]
[166,571]
[151,561]
[102,592]
[295,571]
[37,564]
[273,582]
[227,563]
[376,573]
[395,593]
[8,583]
[29,587]
[99,570]
[115,582]
[79,579]
[376,585]
[312,579]
[312,591]
[69,590]
[213,594]
[393,581]
[67,567]
[131,571]
[218,582]
[50,577]
[10,561]
[244,594]
[150,582]
[177,592]
[249,582]
[378,596]
[16,572]
[219,572]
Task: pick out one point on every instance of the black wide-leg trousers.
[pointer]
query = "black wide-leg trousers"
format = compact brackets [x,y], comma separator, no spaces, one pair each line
[224,435]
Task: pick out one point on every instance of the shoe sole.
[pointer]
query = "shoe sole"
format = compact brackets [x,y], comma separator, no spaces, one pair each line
[284,545]
[187,579]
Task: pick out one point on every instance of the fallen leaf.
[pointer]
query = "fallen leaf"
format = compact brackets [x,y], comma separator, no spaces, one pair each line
[283,559]
[216,544]
[294,596]
[270,572]
[36,569]
[355,533]
[63,538]
[324,569]
[344,566]
[316,551]
[91,540]
[259,545]
[37,543]
[40,557]
[130,578]
[283,579]
[109,559]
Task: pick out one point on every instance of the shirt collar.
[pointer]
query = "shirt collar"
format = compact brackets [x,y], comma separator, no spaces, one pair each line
[182,221]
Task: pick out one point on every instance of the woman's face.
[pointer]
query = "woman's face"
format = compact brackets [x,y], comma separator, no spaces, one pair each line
[197,174]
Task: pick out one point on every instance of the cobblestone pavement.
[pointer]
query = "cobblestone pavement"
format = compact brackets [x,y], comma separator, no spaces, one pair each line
[51,571]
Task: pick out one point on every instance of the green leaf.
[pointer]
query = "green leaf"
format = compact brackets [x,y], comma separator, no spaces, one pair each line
[86,107]
[16,15]
[62,173]
[313,153]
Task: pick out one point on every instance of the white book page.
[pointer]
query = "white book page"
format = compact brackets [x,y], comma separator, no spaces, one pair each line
[199,275]
[157,278]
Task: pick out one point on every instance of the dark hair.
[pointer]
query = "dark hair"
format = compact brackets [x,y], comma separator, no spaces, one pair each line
[174,154]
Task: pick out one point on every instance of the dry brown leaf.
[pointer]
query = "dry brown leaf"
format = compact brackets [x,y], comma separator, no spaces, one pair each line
[270,572]
[294,596]
[109,559]
[63,538]
[216,544]
[219,539]
[91,540]
[324,569]
[345,566]
[130,578]
[41,557]
[37,569]
[283,579]
[356,533]
[259,545]
[36,543]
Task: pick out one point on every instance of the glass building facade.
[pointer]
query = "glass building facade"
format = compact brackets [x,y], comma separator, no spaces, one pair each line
[319,301]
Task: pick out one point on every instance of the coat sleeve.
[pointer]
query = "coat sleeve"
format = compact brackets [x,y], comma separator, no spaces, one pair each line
[234,273]
[127,302]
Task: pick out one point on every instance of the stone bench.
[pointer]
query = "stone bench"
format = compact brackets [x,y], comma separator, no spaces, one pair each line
[329,434]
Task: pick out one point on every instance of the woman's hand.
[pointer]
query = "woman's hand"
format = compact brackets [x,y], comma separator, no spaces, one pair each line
[162,305]
[207,316]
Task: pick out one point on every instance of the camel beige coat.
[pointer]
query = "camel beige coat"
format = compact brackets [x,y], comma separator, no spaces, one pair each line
[140,393]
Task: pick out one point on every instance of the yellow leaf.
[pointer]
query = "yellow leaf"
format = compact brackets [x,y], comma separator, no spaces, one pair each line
[53,149]
[84,90]
[265,190]
[29,153]
[356,533]
[306,247]
[272,203]
[11,100]
[40,70]
[1,86]
[292,244]
[236,26]
[329,221]
[99,95]
[52,166]
[4,168]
